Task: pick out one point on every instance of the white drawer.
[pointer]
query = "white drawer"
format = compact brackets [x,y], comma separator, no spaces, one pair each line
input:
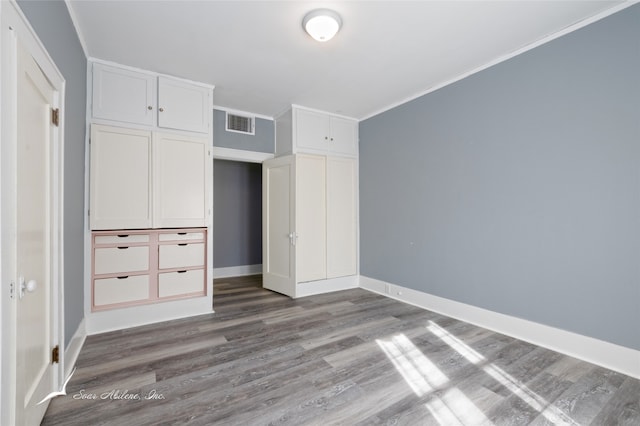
[181,236]
[181,255]
[108,291]
[177,283]
[121,259]
[122,239]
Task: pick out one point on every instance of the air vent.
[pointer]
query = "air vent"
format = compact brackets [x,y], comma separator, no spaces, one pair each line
[240,124]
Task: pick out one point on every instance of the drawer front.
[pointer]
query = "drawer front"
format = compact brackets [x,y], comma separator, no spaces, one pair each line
[181,256]
[122,239]
[177,283]
[115,259]
[181,236]
[108,291]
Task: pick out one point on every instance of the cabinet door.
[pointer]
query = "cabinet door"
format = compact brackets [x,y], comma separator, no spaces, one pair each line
[344,136]
[180,190]
[312,131]
[123,95]
[341,217]
[183,106]
[120,191]
[311,248]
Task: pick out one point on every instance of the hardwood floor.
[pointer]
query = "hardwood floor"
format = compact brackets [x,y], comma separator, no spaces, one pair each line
[344,358]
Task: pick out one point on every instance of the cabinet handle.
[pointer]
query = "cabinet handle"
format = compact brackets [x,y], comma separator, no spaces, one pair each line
[331,138]
[124,277]
[123,236]
[149,107]
[122,248]
[161,109]
[181,272]
[182,233]
[325,138]
[182,244]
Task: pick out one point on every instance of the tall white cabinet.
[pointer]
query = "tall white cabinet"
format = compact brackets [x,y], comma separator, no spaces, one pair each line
[310,207]
[149,212]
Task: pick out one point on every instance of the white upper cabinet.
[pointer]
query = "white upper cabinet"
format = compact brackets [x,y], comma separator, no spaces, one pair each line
[137,97]
[302,130]
[123,95]
[343,136]
[183,106]
[312,130]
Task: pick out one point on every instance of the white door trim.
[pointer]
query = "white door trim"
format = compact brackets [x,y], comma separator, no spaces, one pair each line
[14,26]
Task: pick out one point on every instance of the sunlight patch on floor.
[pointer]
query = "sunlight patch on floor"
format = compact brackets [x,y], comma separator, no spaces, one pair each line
[454,408]
[416,369]
[423,376]
[550,412]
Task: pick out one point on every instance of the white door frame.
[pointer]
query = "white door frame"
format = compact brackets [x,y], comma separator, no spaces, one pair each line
[14,26]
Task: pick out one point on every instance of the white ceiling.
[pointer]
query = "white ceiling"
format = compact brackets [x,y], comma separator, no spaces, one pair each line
[261,61]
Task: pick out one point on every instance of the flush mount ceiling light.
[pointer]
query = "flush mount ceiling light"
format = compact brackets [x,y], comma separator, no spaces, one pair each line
[322,24]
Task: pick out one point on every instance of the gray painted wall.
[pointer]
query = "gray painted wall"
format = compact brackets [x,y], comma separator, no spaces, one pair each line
[237,195]
[237,218]
[517,189]
[262,141]
[52,23]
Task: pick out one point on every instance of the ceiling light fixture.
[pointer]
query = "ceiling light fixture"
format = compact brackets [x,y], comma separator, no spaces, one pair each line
[322,24]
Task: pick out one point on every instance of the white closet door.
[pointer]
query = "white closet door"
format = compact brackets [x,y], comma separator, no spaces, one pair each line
[341,217]
[311,218]
[120,184]
[180,169]
[278,224]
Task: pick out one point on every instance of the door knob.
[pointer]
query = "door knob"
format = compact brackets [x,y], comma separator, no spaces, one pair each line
[30,286]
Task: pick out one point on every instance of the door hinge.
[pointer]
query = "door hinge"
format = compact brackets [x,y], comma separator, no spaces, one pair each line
[55,355]
[55,116]
[12,290]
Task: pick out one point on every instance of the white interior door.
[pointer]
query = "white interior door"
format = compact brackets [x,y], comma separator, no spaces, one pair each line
[278,227]
[34,340]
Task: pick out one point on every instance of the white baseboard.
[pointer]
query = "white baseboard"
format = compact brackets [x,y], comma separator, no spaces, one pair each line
[326,286]
[72,350]
[614,357]
[237,271]
[134,316]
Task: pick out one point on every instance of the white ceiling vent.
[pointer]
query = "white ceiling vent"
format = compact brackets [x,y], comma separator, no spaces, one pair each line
[240,124]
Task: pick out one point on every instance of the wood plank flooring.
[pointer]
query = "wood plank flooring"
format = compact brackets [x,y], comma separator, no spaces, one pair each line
[344,358]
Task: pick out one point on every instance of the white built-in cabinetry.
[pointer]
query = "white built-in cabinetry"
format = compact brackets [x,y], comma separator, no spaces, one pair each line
[149,190]
[310,204]
[142,179]
[129,96]
[310,222]
[141,267]
[310,131]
